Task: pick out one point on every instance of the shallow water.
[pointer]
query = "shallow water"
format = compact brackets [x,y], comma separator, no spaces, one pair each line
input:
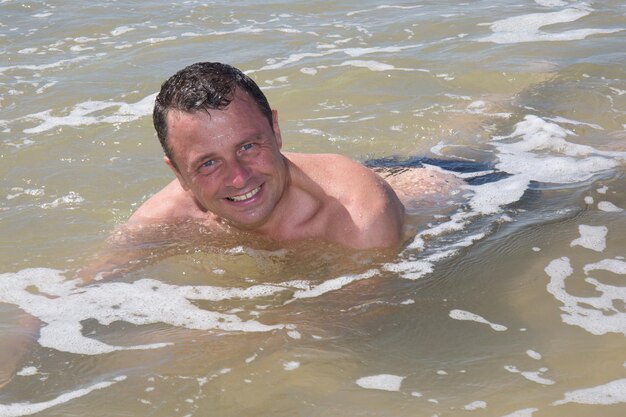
[513,304]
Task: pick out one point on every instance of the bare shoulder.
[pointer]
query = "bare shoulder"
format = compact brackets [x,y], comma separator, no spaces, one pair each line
[369,214]
[170,203]
[337,174]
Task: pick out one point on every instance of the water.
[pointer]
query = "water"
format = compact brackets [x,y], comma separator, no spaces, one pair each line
[509,304]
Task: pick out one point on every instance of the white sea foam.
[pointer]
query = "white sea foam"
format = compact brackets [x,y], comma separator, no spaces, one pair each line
[26,409]
[63,306]
[475,405]
[383,6]
[616,266]
[332,285]
[70,200]
[58,64]
[357,52]
[526,412]
[589,312]
[537,150]
[411,269]
[120,30]
[533,354]
[153,41]
[291,365]
[27,371]
[384,382]
[564,120]
[371,65]
[613,392]
[491,197]
[541,153]
[534,376]
[294,334]
[609,207]
[352,52]
[19,191]
[551,3]
[527,28]
[591,237]
[83,114]
[375,66]
[466,315]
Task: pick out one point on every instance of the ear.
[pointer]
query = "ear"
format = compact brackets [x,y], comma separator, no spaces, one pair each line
[279,139]
[176,172]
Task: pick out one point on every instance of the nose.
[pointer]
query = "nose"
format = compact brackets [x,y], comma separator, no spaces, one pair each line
[238,174]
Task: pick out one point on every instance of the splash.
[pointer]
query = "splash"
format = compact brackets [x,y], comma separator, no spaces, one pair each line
[537,151]
[27,409]
[384,382]
[598,315]
[527,28]
[63,305]
[466,315]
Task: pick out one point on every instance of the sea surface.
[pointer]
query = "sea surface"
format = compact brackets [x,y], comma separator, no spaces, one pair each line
[512,303]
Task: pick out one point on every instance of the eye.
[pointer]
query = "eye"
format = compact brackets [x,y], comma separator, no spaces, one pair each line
[207,164]
[247,146]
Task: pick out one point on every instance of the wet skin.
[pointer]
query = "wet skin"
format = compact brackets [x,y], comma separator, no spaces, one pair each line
[230,161]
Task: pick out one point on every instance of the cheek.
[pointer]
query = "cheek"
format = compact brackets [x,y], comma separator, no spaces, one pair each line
[206,185]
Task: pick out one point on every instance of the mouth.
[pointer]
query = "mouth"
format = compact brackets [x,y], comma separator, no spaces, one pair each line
[244,197]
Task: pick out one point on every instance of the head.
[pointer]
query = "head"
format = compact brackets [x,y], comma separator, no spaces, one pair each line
[203,86]
[222,142]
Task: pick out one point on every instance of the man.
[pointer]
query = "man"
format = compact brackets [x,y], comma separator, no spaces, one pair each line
[223,143]
[234,186]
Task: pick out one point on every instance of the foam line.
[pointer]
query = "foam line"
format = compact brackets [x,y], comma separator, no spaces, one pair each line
[466,315]
[588,312]
[384,382]
[611,393]
[609,207]
[333,284]
[63,305]
[536,151]
[527,28]
[591,237]
[81,114]
[616,266]
[58,64]
[526,412]
[27,409]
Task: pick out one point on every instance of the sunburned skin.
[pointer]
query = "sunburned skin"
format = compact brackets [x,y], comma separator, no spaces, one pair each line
[230,171]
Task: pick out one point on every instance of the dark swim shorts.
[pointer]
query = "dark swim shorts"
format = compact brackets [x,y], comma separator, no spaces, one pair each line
[394,165]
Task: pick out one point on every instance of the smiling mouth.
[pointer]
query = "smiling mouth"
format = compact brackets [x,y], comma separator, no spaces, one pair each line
[245,196]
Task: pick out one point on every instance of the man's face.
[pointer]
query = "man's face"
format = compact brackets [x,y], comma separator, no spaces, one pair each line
[230,161]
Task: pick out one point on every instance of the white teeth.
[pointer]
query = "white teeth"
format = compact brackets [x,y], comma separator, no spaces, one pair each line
[245,196]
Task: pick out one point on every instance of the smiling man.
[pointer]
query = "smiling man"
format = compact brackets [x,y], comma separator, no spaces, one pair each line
[223,143]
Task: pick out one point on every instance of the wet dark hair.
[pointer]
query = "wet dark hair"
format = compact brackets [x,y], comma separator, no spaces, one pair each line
[203,86]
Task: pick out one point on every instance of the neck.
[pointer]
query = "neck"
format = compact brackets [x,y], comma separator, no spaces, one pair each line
[298,205]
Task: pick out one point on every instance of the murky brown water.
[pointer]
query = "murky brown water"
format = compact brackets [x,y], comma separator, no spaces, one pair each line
[510,305]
